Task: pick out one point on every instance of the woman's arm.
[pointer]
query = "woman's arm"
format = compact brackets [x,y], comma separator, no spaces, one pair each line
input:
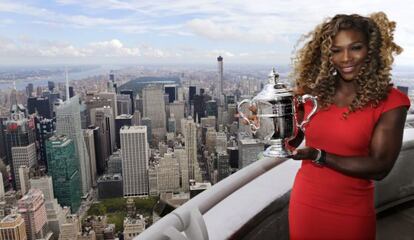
[384,149]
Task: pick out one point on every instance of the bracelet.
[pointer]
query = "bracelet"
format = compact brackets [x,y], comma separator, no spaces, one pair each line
[320,158]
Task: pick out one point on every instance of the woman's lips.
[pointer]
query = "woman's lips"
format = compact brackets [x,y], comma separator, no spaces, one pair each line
[347,69]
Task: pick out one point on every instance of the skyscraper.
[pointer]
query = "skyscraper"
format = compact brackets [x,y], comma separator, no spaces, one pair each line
[124,104]
[177,108]
[134,150]
[12,227]
[41,105]
[120,121]
[20,132]
[64,169]
[24,156]
[191,146]
[44,130]
[219,89]
[55,214]
[70,228]
[68,123]
[154,108]
[32,208]
[103,118]
[171,90]
[88,134]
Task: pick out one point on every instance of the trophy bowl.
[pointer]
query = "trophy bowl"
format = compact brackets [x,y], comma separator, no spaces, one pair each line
[276,116]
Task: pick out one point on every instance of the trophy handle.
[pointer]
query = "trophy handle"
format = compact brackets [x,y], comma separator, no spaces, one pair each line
[303,99]
[253,126]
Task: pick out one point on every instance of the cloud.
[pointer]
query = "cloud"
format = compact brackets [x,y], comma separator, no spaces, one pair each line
[243,29]
[42,48]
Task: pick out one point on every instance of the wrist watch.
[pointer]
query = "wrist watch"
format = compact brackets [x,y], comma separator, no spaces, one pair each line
[320,158]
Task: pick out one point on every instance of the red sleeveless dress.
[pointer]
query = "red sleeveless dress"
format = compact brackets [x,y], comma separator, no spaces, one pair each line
[324,203]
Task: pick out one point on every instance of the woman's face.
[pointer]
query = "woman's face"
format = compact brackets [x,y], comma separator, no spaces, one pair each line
[349,51]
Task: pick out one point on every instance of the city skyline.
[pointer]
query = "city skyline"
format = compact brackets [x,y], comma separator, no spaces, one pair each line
[135,32]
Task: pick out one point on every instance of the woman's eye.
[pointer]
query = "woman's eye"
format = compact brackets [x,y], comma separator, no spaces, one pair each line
[356,47]
[335,50]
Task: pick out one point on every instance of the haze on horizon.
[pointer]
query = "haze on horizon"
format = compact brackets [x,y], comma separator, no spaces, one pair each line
[39,32]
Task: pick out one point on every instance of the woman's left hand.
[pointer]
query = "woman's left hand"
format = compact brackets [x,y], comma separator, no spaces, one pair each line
[307,153]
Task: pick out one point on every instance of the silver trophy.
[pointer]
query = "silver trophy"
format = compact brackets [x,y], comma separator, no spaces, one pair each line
[276,118]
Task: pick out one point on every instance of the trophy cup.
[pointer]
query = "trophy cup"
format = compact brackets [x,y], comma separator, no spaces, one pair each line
[276,119]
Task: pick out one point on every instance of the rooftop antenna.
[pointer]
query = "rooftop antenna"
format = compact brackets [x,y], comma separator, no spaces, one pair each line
[67,84]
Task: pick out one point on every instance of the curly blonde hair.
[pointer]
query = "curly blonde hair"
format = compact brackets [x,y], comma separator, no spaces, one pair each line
[313,71]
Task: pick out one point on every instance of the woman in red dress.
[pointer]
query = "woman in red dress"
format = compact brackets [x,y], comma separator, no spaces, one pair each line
[356,135]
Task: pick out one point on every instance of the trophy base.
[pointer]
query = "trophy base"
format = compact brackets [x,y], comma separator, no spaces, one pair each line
[276,151]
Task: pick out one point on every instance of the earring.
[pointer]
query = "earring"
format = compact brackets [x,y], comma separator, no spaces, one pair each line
[334,72]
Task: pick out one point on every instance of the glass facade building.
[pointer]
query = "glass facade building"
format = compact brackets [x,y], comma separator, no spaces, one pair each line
[63,166]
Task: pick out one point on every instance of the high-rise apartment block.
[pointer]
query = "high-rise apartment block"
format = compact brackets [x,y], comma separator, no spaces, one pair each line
[64,169]
[135,157]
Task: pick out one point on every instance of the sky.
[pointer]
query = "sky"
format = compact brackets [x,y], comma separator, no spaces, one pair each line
[38,32]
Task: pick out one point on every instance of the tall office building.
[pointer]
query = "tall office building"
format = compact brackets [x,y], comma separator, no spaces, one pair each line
[172,124]
[248,151]
[32,208]
[171,91]
[64,169]
[24,179]
[191,93]
[223,165]
[12,227]
[88,134]
[115,163]
[148,123]
[40,105]
[100,150]
[210,139]
[68,123]
[24,156]
[102,117]
[136,118]
[102,99]
[19,132]
[130,94]
[1,187]
[29,90]
[219,89]
[177,108]
[70,228]
[191,146]
[221,142]
[124,104]
[120,121]
[55,214]
[168,173]
[154,108]
[51,86]
[134,150]
[44,130]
